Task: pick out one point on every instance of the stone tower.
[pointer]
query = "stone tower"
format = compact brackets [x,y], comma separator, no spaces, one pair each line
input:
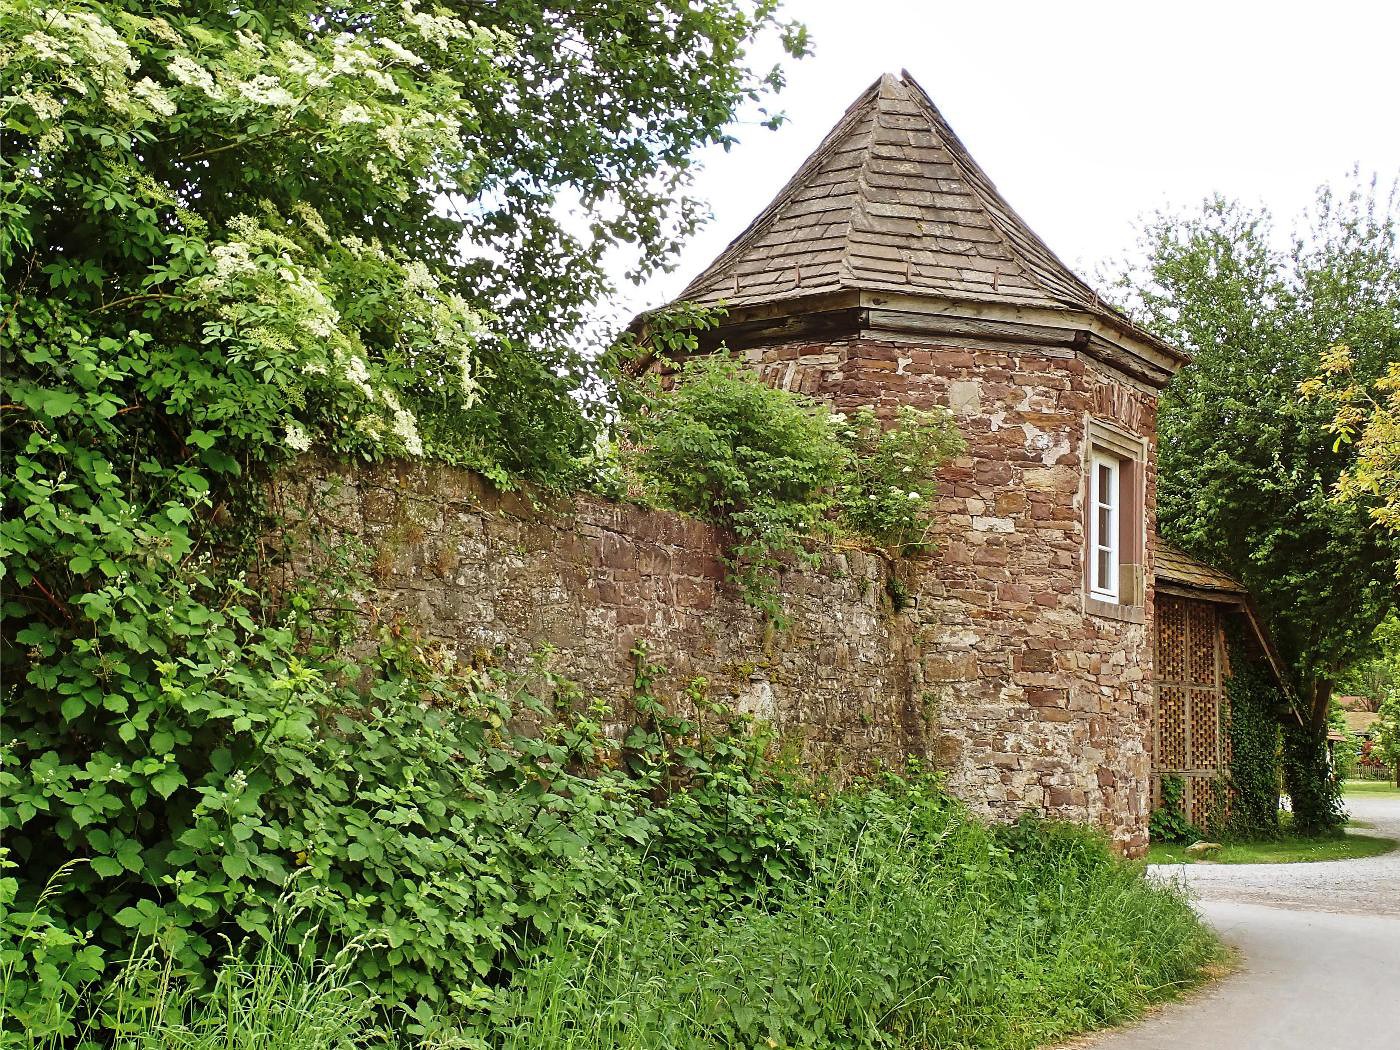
[889,271]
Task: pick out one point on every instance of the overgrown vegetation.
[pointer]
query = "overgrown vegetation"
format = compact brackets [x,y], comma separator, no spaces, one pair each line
[223,247]
[777,468]
[1169,822]
[911,926]
[1254,706]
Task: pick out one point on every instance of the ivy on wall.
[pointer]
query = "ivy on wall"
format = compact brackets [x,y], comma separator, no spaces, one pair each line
[1252,725]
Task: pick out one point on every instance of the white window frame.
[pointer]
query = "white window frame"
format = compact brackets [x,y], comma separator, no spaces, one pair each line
[1105,590]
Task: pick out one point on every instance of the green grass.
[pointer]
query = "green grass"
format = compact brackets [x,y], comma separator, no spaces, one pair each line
[1285,850]
[916,931]
[914,927]
[1369,787]
[280,998]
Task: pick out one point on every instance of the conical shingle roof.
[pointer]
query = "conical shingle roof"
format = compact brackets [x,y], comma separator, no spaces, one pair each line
[891,201]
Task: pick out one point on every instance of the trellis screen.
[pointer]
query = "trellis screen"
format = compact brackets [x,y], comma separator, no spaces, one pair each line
[1189,742]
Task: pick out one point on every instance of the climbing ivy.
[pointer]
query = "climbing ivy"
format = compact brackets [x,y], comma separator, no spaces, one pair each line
[1169,822]
[1252,726]
[1307,774]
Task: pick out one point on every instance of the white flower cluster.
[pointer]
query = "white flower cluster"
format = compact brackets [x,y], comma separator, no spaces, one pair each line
[185,70]
[438,30]
[399,52]
[153,97]
[266,90]
[296,438]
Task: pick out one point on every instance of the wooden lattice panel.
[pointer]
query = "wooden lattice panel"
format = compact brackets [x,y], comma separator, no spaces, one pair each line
[1171,728]
[1189,694]
[1171,640]
[1200,800]
[1204,716]
[1200,646]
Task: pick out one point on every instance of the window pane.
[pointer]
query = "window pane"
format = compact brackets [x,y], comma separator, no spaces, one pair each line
[1105,526]
[1105,493]
[1105,580]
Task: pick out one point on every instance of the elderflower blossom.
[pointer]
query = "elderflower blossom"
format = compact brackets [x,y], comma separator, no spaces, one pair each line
[383,81]
[354,113]
[46,48]
[439,30]
[405,428]
[154,97]
[231,260]
[357,372]
[913,495]
[100,44]
[417,278]
[296,438]
[44,106]
[191,74]
[266,90]
[350,59]
[400,52]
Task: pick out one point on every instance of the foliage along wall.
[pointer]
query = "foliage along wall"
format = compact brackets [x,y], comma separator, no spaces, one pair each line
[495,577]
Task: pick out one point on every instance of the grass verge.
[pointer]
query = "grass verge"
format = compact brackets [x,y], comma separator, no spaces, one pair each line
[1286,850]
[1369,787]
[920,928]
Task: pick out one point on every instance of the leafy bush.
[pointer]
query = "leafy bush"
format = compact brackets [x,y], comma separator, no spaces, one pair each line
[420,816]
[44,961]
[889,484]
[777,467]
[1312,787]
[724,445]
[1169,822]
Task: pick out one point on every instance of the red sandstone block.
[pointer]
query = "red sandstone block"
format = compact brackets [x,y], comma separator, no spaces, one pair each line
[1047,697]
[1058,797]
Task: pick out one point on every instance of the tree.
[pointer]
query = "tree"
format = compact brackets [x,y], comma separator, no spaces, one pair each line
[235,233]
[1368,419]
[504,149]
[1387,740]
[1247,466]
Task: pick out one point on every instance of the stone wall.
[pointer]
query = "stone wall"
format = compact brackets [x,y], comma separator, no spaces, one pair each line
[1041,704]
[999,671]
[496,576]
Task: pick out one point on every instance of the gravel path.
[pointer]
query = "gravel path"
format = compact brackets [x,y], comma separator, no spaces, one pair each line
[1368,886]
[1320,954]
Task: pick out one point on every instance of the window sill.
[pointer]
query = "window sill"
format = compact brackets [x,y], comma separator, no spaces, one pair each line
[1115,611]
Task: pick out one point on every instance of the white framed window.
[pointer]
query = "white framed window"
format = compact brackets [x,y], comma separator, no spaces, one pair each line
[1105,508]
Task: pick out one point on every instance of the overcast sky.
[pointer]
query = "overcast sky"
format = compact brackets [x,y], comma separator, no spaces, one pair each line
[1087,115]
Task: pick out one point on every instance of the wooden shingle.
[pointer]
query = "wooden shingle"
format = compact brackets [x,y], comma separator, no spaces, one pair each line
[891,201]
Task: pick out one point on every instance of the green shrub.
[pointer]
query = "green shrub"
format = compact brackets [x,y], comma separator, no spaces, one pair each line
[777,468]
[724,445]
[1312,787]
[1169,822]
[421,818]
[45,962]
[889,485]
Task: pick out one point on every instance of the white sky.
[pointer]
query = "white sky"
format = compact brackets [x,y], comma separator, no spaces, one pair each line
[1087,115]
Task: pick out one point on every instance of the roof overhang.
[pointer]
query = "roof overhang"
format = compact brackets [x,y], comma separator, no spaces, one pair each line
[1236,598]
[855,313]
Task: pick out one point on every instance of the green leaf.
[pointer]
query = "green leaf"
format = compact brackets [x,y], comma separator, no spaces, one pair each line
[106,867]
[167,782]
